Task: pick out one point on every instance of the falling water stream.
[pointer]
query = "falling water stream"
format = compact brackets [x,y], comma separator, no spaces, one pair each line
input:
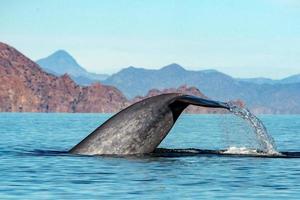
[265,141]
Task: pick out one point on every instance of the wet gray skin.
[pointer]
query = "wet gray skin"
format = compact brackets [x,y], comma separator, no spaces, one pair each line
[140,128]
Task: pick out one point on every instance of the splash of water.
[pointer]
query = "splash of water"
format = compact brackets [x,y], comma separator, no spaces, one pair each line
[265,141]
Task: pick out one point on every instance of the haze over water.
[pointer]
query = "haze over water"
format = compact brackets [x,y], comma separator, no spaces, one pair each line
[31,165]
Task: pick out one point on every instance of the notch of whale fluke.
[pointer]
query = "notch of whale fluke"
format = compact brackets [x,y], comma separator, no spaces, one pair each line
[140,128]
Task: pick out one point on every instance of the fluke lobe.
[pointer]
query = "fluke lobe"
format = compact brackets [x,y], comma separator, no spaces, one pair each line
[140,128]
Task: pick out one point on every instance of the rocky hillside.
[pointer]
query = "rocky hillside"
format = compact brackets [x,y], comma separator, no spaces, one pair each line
[24,87]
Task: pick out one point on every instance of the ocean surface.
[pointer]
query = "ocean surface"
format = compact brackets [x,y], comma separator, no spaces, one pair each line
[34,163]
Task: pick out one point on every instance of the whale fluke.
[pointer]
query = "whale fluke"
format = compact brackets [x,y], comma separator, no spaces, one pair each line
[140,128]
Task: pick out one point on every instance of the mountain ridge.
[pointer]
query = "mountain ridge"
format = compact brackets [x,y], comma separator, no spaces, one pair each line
[279,98]
[170,67]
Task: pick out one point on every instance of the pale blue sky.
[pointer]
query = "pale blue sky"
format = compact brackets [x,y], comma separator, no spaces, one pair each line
[241,38]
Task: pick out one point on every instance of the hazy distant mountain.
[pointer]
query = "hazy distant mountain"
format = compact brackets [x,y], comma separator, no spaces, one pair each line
[137,81]
[291,79]
[262,80]
[61,62]
[262,98]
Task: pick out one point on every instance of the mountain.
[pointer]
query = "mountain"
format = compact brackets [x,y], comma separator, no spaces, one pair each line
[61,62]
[137,81]
[25,87]
[291,79]
[261,98]
[259,80]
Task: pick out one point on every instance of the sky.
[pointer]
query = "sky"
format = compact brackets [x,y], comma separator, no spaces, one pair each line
[255,38]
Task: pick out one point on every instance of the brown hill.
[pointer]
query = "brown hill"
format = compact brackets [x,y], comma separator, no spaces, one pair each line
[24,87]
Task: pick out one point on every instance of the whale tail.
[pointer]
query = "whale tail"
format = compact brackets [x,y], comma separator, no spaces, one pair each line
[141,127]
[183,101]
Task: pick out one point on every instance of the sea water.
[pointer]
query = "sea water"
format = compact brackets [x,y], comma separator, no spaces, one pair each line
[33,164]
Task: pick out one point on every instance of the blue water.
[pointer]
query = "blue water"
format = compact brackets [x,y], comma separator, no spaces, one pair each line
[32,169]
